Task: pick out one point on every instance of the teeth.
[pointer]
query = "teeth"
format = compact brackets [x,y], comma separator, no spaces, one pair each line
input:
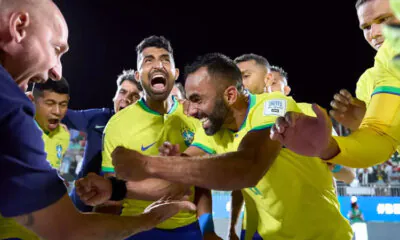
[203,120]
[158,75]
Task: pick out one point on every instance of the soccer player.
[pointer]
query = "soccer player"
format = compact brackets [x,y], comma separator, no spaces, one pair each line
[286,195]
[33,37]
[51,102]
[159,118]
[256,68]
[93,121]
[378,135]
[372,16]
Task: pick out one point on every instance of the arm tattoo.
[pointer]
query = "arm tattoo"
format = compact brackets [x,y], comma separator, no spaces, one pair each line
[28,220]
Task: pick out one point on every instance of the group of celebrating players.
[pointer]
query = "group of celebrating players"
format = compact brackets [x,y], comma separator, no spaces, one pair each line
[151,162]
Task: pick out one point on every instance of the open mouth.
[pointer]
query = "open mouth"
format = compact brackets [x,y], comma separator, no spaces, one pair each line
[206,123]
[53,123]
[158,82]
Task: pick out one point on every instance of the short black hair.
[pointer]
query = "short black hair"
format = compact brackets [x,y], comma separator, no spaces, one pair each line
[280,70]
[128,75]
[61,87]
[361,2]
[218,64]
[154,41]
[260,60]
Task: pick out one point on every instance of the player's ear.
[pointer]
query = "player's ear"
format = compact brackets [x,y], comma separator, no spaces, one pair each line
[177,73]
[231,95]
[287,90]
[268,78]
[137,76]
[19,22]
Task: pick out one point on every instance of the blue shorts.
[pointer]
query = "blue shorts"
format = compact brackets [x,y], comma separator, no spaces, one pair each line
[255,237]
[191,232]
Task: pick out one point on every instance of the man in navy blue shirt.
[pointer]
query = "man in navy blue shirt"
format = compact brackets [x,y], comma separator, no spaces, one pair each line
[93,121]
[33,37]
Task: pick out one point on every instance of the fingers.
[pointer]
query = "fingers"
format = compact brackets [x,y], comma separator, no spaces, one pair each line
[275,135]
[165,149]
[184,205]
[357,102]
[320,112]
[346,94]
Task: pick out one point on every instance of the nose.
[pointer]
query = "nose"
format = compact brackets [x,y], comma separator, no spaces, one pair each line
[190,109]
[56,110]
[55,72]
[376,31]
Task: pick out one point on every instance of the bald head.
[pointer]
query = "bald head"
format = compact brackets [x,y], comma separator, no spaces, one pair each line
[33,37]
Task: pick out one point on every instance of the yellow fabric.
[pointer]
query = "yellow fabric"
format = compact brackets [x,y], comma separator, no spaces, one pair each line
[140,128]
[379,134]
[296,198]
[55,145]
[9,228]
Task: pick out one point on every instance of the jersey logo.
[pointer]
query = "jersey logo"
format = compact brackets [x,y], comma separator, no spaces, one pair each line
[147,147]
[99,127]
[275,107]
[59,151]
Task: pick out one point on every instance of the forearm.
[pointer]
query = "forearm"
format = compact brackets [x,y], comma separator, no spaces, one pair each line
[149,189]
[219,172]
[345,174]
[376,139]
[62,221]
[99,226]
[237,203]
[363,148]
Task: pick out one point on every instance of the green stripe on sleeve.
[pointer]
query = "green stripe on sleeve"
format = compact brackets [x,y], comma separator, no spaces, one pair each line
[262,127]
[386,89]
[107,169]
[204,148]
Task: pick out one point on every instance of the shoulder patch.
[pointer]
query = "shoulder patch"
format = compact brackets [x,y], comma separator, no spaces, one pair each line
[275,107]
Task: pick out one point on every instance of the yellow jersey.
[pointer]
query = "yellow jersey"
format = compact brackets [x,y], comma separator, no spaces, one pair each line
[139,128]
[295,199]
[379,133]
[56,144]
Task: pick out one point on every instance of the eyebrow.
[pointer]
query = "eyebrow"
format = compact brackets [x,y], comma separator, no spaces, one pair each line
[193,96]
[377,18]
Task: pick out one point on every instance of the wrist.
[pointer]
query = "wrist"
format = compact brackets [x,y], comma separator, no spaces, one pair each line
[118,189]
[331,151]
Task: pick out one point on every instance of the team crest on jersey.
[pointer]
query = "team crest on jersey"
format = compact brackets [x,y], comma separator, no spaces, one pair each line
[59,151]
[188,135]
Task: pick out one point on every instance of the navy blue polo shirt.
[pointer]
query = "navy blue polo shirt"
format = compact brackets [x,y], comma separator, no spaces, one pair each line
[27,181]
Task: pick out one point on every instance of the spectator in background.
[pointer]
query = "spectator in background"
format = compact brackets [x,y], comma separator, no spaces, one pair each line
[395,182]
[178,91]
[380,175]
[93,121]
[365,177]
[357,222]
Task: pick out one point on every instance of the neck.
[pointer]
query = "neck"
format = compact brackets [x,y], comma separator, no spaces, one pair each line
[162,107]
[238,113]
